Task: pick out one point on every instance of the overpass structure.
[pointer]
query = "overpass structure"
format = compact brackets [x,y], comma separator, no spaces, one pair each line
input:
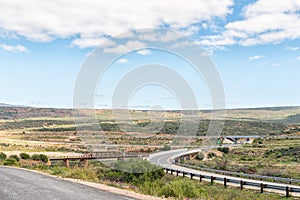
[239,139]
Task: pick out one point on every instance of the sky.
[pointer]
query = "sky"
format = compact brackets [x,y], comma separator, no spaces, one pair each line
[254,45]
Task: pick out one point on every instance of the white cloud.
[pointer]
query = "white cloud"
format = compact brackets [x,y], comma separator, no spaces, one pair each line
[292,48]
[298,58]
[88,21]
[257,57]
[92,42]
[144,52]
[123,61]
[15,49]
[159,36]
[264,22]
[123,48]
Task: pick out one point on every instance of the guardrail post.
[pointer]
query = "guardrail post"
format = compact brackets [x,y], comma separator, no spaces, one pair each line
[183,174]
[261,188]
[192,175]
[200,178]
[242,184]
[171,171]
[225,182]
[177,172]
[287,192]
[212,179]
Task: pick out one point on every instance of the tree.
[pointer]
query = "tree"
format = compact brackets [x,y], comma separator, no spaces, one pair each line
[224,149]
[24,156]
[15,157]
[10,161]
[2,156]
[40,157]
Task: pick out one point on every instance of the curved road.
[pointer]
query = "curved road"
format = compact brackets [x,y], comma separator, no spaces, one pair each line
[18,184]
[164,159]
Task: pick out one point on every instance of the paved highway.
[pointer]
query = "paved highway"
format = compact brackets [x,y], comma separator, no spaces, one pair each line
[16,184]
[164,159]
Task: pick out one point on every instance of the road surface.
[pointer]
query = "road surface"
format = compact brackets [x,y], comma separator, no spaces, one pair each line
[18,184]
[164,159]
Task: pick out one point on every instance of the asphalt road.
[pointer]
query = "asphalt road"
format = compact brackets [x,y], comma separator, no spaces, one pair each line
[164,159]
[18,184]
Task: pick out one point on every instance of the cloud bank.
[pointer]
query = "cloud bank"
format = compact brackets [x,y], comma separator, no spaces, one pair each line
[87,22]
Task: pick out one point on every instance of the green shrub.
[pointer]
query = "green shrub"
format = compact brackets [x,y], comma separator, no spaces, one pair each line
[35,157]
[224,149]
[2,156]
[40,157]
[211,155]
[15,157]
[43,158]
[59,170]
[182,189]
[134,171]
[83,174]
[114,176]
[166,148]
[10,161]
[24,156]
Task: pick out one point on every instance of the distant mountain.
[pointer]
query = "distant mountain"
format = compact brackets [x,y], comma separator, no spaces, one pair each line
[10,105]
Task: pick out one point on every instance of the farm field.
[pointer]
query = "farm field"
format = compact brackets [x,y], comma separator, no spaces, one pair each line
[54,130]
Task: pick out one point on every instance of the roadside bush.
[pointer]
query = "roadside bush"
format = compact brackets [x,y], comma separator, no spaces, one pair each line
[24,156]
[135,171]
[182,189]
[83,174]
[15,157]
[35,157]
[211,155]
[114,176]
[43,158]
[258,141]
[39,157]
[224,150]
[59,170]
[166,148]
[10,161]
[2,156]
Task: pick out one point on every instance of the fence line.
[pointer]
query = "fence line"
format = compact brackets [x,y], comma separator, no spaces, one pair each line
[249,176]
[240,183]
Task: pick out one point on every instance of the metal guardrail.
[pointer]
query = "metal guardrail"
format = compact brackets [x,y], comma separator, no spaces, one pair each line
[249,176]
[240,183]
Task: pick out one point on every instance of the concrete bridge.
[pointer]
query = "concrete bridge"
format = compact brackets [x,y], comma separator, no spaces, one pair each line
[239,139]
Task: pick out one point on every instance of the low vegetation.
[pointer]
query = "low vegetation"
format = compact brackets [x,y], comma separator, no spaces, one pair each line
[154,182]
[269,157]
[15,160]
[53,130]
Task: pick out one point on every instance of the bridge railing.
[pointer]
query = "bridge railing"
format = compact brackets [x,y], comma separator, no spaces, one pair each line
[108,154]
[240,183]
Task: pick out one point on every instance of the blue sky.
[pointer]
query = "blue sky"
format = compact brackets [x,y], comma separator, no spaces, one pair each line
[255,46]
